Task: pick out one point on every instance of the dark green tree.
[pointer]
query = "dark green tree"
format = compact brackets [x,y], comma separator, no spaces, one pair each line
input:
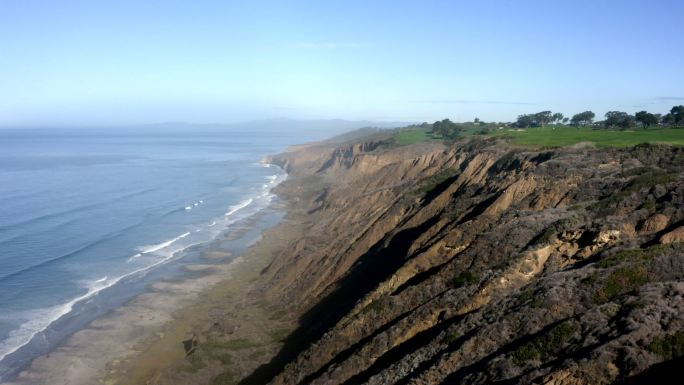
[525,121]
[619,119]
[677,113]
[646,118]
[446,128]
[557,117]
[543,118]
[583,118]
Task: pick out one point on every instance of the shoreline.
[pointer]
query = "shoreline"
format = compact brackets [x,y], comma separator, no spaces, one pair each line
[83,357]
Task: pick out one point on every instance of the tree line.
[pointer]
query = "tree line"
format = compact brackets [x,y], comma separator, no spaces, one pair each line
[613,119]
[447,129]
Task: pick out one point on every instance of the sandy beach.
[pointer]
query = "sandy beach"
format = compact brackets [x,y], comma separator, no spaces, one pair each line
[171,312]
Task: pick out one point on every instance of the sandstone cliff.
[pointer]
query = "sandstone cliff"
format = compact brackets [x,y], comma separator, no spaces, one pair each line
[480,263]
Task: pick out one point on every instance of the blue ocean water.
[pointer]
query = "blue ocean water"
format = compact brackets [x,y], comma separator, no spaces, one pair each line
[83,211]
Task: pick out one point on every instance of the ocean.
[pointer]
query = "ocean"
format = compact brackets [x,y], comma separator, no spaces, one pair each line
[89,218]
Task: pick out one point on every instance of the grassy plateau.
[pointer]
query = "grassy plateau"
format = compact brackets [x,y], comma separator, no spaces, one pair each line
[560,136]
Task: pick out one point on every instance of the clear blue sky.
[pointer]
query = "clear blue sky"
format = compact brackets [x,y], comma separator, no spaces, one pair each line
[127,62]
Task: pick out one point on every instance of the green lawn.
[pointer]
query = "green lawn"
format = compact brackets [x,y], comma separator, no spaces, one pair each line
[560,136]
[406,137]
[565,136]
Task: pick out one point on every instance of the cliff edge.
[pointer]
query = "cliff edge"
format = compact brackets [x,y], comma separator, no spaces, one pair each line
[481,263]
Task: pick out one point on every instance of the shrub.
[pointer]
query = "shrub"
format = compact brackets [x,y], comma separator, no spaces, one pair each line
[465,278]
[637,254]
[427,185]
[668,347]
[621,281]
[376,306]
[648,179]
[541,347]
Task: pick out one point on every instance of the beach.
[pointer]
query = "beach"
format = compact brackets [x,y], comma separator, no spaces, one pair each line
[161,319]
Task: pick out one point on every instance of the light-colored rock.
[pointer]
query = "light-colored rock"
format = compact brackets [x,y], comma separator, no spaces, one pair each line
[654,223]
[676,235]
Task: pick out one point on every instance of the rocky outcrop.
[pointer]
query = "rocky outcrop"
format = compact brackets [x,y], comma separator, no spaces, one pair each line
[676,235]
[483,264]
[479,263]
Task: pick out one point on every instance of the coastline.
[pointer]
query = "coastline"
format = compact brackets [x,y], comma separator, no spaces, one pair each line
[94,352]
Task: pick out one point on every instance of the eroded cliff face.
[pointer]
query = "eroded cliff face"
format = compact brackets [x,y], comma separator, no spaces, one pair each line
[481,263]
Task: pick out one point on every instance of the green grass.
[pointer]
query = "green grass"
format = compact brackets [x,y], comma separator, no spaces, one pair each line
[565,136]
[406,137]
[559,136]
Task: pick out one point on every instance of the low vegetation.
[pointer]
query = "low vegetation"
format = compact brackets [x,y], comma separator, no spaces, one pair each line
[647,179]
[466,278]
[560,136]
[621,281]
[428,184]
[548,129]
[545,345]
[668,347]
[634,255]
[414,135]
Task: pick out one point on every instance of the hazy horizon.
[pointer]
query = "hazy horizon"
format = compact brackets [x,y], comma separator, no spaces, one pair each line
[81,63]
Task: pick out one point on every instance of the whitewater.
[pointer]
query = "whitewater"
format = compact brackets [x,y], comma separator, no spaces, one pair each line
[87,221]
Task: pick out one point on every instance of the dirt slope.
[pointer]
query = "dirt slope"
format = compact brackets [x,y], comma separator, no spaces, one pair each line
[480,263]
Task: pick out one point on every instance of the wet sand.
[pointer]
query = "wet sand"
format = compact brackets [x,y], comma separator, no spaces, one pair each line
[143,341]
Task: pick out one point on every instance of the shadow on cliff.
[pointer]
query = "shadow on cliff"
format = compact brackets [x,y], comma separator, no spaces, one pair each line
[664,373]
[380,262]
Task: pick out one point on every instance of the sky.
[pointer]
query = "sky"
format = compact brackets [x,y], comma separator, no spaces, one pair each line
[104,62]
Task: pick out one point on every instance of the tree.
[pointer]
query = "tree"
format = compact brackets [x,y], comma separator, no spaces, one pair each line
[646,118]
[628,122]
[677,113]
[566,120]
[557,117]
[619,119]
[543,118]
[446,128]
[525,121]
[583,118]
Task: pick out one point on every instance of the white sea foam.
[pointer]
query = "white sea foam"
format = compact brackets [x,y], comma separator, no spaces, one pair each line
[233,209]
[133,257]
[39,320]
[159,246]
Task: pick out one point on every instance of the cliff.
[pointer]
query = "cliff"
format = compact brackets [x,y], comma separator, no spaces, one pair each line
[480,263]
[477,262]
